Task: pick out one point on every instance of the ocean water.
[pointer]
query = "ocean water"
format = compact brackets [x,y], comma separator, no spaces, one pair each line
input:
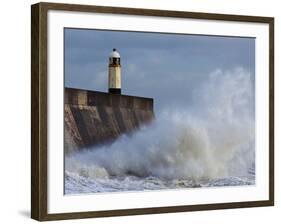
[77,184]
[210,144]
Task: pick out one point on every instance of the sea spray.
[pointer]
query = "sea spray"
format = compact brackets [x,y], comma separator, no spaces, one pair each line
[211,139]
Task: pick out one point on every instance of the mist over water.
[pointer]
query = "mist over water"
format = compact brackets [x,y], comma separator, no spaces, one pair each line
[210,142]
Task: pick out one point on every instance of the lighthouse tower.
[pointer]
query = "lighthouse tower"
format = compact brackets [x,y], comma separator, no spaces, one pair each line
[114,73]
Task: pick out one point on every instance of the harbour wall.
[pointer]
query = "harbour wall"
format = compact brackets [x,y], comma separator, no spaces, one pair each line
[93,118]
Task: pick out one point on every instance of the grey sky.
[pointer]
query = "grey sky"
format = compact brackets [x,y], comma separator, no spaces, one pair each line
[166,67]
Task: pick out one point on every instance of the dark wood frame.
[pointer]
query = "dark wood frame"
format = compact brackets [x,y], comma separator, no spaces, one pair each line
[39,110]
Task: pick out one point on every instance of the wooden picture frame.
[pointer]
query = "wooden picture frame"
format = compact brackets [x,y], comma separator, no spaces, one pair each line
[39,109]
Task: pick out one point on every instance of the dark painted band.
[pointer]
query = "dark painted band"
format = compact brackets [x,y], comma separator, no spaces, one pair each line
[114,90]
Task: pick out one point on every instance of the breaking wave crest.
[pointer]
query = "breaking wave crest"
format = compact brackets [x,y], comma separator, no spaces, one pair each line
[213,138]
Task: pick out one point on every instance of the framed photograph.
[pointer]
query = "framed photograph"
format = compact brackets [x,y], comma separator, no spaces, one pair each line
[141,111]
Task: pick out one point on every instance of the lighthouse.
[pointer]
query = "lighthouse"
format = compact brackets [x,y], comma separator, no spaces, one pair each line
[114,73]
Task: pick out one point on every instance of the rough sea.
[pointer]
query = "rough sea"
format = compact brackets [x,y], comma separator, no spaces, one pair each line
[211,144]
[77,184]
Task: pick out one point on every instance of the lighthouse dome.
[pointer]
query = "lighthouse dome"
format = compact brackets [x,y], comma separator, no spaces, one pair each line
[114,54]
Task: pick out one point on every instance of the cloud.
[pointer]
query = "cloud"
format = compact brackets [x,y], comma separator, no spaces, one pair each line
[161,66]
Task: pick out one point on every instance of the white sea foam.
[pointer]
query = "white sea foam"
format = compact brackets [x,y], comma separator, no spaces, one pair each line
[208,144]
